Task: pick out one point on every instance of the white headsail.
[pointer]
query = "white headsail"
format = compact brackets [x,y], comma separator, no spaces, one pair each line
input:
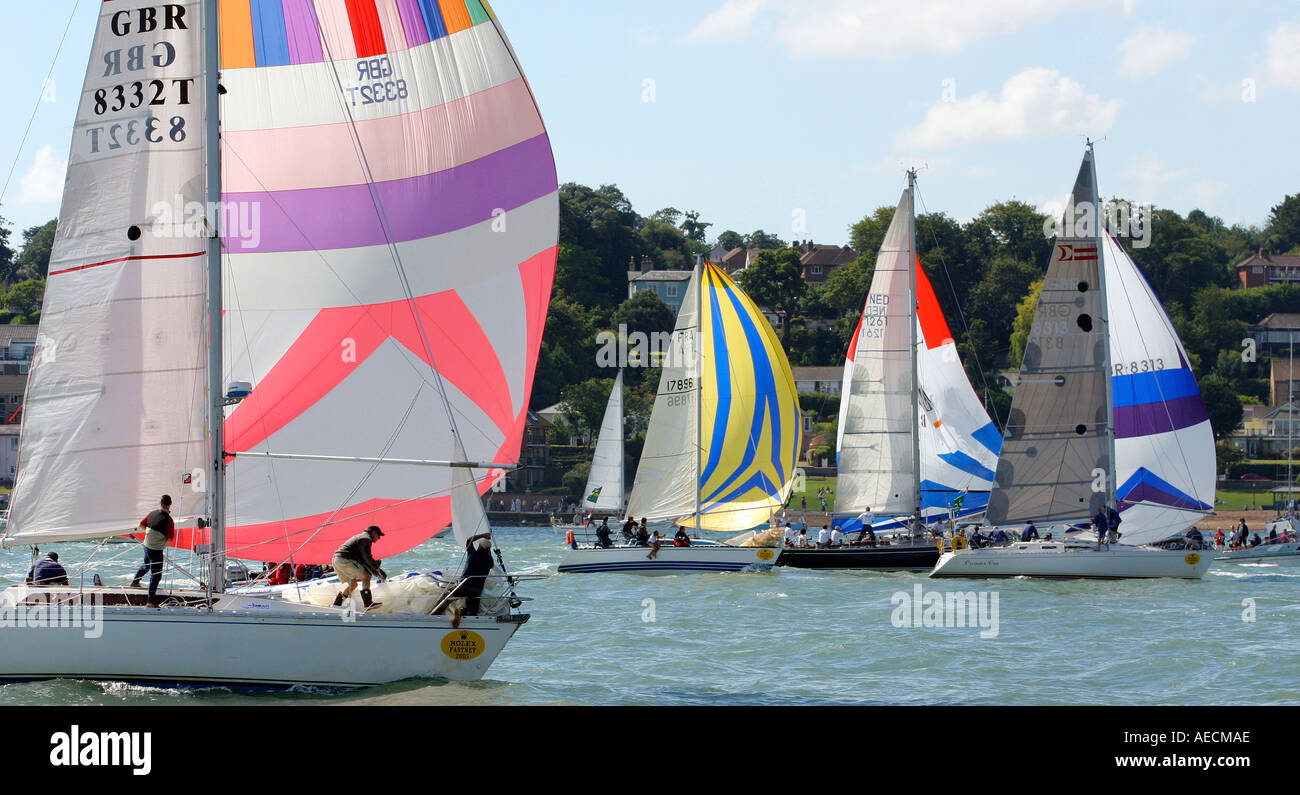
[604,492]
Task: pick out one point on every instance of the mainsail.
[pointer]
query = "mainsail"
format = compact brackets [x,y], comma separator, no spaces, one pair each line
[1163,441]
[114,411]
[877,464]
[736,468]
[391,216]
[957,442]
[1056,455]
[604,490]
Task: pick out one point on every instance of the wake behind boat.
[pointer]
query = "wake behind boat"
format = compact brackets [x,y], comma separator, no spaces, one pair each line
[723,440]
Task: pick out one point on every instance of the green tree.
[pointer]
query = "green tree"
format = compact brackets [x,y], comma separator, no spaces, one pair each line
[645,312]
[25,298]
[775,282]
[694,228]
[7,265]
[580,273]
[1222,404]
[34,260]
[602,221]
[584,406]
[866,235]
[1024,321]
[668,244]
[762,240]
[1283,230]
[1013,228]
[568,351]
[668,215]
[731,240]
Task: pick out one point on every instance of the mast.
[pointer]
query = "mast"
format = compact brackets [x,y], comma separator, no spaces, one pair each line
[622,448]
[913,263]
[1290,414]
[216,393]
[699,384]
[1112,472]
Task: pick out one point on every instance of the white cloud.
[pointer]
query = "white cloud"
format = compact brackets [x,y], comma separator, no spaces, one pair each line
[1149,50]
[884,28]
[1147,178]
[733,20]
[43,182]
[1037,103]
[1283,58]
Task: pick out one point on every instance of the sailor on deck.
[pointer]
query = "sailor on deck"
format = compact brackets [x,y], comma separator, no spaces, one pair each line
[353,562]
[47,571]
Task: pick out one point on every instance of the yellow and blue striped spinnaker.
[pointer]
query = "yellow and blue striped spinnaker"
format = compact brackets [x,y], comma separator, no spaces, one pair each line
[750,429]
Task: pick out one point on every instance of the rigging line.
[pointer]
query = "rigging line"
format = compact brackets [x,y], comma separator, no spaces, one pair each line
[388,234]
[53,62]
[979,368]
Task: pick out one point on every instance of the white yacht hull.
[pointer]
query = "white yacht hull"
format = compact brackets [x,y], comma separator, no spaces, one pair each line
[670,559]
[1057,559]
[245,642]
[1277,554]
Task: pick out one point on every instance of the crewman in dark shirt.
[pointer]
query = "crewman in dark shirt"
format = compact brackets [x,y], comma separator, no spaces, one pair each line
[47,571]
[478,565]
[159,530]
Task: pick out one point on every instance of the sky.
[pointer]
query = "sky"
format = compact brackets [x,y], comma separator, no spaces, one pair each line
[799,117]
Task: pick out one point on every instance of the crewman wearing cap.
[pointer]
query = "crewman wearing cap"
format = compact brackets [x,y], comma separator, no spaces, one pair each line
[353,562]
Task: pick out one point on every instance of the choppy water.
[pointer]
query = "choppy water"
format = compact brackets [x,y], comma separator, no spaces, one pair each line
[808,637]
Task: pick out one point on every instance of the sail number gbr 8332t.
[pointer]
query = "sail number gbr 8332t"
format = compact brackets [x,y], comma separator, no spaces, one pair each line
[147,85]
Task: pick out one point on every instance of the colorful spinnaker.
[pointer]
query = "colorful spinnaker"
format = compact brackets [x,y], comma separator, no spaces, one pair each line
[391,217]
[725,432]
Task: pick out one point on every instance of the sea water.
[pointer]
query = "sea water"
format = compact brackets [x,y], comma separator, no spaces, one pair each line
[797,636]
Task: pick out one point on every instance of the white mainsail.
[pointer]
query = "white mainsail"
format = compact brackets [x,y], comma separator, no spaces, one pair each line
[604,492]
[115,405]
[877,465]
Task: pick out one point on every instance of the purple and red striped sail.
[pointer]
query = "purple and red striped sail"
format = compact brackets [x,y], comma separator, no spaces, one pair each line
[408,208]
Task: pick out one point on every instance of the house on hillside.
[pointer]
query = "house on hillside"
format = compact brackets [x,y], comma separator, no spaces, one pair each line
[1261,270]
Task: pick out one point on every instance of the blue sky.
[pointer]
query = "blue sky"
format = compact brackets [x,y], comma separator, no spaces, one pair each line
[762,113]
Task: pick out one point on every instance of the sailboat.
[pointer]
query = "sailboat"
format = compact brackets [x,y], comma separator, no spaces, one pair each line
[1285,527]
[603,495]
[1104,379]
[723,440]
[362,246]
[914,440]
